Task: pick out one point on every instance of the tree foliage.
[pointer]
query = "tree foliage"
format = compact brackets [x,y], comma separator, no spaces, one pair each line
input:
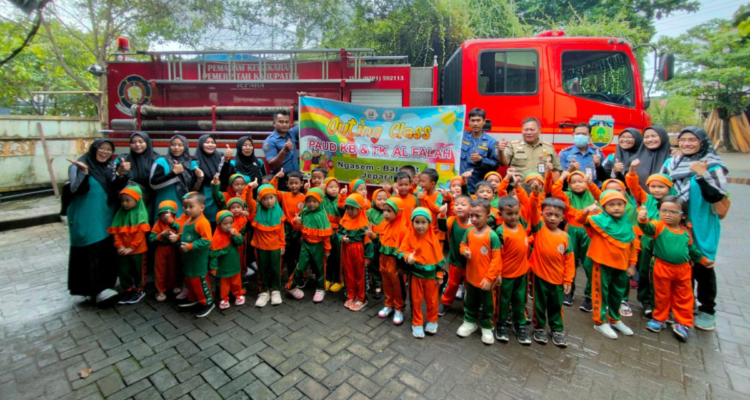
[674,110]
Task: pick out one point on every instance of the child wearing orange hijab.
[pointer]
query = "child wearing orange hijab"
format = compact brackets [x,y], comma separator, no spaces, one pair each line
[375,216]
[423,253]
[391,235]
[356,250]
[224,259]
[129,227]
[165,257]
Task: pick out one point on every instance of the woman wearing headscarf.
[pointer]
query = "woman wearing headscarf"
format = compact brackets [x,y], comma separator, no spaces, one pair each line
[94,185]
[171,176]
[700,179]
[245,162]
[652,153]
[138,165]
[207,162]
[628,143]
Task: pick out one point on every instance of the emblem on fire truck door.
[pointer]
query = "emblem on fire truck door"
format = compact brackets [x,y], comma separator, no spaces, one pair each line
[602,130]
[132,90]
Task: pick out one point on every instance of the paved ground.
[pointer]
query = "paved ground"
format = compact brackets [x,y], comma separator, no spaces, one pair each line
[299,350]
[29,208]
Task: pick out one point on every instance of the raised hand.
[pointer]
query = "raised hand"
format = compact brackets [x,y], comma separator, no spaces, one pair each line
[467,174]
[549,166]
[634,165]
[81,166]
[289,146]
[123,167]
[370,234]
[228,154]
[618,167]
[178,168]
[475,157]
[509,174]
[387,187]
[502,144]
[592,209]
[253,184]
[307,185]
[297,220]
[444,209]
[215,181]
[344,190]
[199,173]
[642,213]
[280,174]
[699,167]
[597,159]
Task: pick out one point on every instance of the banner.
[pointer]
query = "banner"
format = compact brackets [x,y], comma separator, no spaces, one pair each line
[373,143]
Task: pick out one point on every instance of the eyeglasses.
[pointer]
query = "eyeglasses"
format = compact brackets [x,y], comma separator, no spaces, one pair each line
[626,138]
[670,212]
[104,150]
[688,140]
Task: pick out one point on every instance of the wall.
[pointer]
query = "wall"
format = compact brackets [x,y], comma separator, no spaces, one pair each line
[22,164]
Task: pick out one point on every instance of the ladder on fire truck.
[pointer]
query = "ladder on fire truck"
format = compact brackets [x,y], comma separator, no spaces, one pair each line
[175,60]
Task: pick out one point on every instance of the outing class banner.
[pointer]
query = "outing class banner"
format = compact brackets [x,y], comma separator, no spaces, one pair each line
[355,141]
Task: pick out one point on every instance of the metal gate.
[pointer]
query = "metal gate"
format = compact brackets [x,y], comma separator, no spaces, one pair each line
[421,86]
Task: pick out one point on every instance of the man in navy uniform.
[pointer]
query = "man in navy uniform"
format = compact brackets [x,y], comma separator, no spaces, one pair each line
[478,149]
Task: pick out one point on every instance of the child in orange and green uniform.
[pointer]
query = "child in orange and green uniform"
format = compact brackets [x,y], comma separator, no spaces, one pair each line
[673,250]
[375,216]
[334,208]
[481,248]
[403,190]
[423,254]
[129,227]
[457,186]
[485,191]
[431,198]
[225,259]
[195,239]
[553,264]
[235,189]
[356,250]
[269,242]
[316,245]
[659,186]
[494,179]
[291,203]
[391,235]
[613,253]
[456,228]
[165,257]
[511,292]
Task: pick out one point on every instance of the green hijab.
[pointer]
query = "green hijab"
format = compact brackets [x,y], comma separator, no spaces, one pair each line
[268,217]
[316,220]
[620,229]
[130,221]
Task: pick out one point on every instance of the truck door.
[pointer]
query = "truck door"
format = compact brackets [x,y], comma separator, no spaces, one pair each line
[595,83]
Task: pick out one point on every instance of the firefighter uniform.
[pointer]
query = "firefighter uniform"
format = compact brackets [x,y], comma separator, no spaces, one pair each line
[526,158]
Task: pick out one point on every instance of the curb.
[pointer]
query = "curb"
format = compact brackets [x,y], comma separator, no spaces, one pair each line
[29,222]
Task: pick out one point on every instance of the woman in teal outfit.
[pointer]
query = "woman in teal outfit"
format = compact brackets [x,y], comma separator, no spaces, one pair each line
[94,185]
[140,159]
[207,162]
[171,176]
[245,162]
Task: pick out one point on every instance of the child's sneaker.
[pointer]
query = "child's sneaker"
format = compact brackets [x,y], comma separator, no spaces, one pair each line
[185,303]
[262,299]
[568,299]
[625,309]
[522,334]
[586,305]
[176,290]
[204,310]
[183,294]
[655,326]
[442,309]
[705,321]
[337,287]
[105,295]
[275,298]
[137,296]
[606,330]
[558,339]
[487,336]
[431,328]
[358,305]
[250,272]
[385,312]
[398,317]
[501,333]
[417,331]
[161,297]
[460,292]
[224,304]
[466,329]
[348,303]
[240,300]
[297,293]
[319,296]
[681,331]
[125,298]
[622,328]
[540,336]
[328,285]
[648,310]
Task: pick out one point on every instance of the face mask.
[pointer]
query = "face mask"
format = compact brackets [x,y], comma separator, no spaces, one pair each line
[581,140]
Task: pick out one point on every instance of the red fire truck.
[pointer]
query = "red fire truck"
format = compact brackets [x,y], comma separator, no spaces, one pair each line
[560,80]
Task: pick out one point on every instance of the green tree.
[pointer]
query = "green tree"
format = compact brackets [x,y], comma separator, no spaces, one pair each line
[674,110]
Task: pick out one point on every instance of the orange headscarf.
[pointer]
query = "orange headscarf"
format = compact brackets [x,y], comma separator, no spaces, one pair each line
[617,181]
[426,247]
[360,221]
[393,230]
[221,239]
[576,173]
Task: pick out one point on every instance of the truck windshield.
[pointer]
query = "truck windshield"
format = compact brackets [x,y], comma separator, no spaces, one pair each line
[598,75]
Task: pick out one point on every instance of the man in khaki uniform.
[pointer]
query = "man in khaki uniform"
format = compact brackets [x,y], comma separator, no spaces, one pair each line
[525,156]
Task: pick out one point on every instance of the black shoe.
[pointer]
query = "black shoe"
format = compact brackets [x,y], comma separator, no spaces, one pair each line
[125,298]
[204,310]
[586,305]
[540,336]
[558,339]
[137,296]
[568,299]
[648,311]
[185,303]
[501,333]
[442,309]
[522,335]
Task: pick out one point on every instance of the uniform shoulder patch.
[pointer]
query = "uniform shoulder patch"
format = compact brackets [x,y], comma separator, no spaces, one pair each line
[547,143]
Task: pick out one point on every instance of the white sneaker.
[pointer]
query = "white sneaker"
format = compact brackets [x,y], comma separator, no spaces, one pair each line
[466,329]
[183,294]
[460,292]
[606,330]
[487,336]
[105,295]
[254,266]
[262,300]
[250,272]
[275,298]
[622,328]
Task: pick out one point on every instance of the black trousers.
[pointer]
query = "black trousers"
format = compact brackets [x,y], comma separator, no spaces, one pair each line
[92,268]
[705,280]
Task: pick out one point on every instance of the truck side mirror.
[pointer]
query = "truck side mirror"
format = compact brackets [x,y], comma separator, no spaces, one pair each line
[666,67]
[487,125]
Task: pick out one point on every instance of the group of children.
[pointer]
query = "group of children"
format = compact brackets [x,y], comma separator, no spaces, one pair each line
[503,244]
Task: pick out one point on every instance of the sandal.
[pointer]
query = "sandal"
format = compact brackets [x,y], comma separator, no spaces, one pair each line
[161,297]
